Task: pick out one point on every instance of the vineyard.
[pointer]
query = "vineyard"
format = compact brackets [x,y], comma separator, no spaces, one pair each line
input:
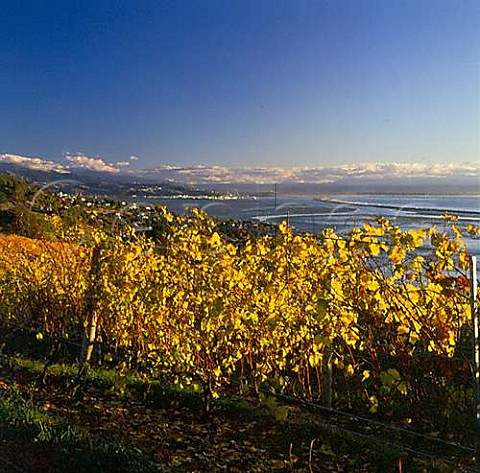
[377,321]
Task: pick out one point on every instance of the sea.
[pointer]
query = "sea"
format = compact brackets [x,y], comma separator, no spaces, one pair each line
[342,212]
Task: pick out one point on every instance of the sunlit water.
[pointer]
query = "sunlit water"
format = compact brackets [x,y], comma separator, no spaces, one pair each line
[344,212]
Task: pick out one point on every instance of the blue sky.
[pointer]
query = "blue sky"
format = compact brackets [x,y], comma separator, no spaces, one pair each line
[278,83]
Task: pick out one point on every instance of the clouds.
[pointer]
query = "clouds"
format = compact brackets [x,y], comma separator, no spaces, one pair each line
[92,164]
[70,162]
[37,164]
[314,175]
[201,174]
[97,163]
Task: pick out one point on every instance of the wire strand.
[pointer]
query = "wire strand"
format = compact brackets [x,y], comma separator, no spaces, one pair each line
[357,417]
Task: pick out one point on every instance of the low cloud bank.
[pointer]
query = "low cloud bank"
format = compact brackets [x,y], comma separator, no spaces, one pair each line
[70,162]
[38,164]
[315,174]
[92,164]
[200,174]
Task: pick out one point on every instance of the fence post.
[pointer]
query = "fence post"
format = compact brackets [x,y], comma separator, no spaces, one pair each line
[327,374]
[90,312]
[476,351]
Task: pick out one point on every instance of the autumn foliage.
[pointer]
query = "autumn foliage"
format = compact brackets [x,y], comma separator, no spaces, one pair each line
[274,311]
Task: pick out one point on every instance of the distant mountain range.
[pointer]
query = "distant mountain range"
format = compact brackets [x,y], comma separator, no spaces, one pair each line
[95,182]
[363,177]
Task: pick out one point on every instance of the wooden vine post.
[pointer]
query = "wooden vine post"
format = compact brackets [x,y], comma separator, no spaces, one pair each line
[476,351]
[90,314]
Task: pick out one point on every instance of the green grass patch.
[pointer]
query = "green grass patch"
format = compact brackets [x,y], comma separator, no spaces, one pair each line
[293,429]
[66,446]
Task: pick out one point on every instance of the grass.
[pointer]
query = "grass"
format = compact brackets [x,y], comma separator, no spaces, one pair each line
[66,446]
[287,429]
